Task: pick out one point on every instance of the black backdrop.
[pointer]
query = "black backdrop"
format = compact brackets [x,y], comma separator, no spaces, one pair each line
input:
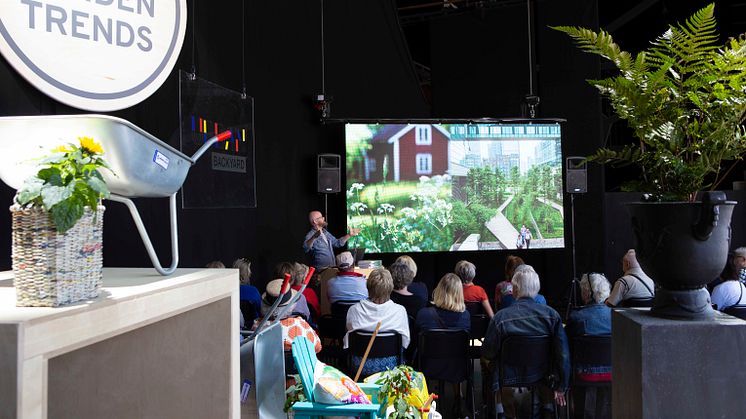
[479,68]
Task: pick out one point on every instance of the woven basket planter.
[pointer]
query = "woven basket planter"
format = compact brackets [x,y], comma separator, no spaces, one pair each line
[53,269]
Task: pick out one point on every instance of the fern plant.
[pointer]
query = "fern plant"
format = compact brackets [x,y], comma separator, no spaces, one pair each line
[685,100]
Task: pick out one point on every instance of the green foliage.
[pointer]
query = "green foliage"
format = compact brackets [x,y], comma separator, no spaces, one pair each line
[481,186]
[424,224]
[397,194]
[68,182]
[294,393]
[396,385]
[685,100]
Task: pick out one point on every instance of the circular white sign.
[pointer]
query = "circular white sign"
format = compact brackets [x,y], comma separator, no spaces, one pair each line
[97,55]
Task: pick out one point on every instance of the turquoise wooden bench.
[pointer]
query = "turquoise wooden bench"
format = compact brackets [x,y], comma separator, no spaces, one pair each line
[305,361]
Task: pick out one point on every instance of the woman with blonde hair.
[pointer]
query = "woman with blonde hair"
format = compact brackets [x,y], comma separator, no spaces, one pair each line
[249,298]
[448,311]
[417,288]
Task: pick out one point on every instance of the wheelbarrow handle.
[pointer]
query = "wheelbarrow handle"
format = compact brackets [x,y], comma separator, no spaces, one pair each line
[216,139]
[291,304]
[283,290]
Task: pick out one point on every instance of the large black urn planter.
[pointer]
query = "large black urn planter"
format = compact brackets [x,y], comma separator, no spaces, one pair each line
[682,246]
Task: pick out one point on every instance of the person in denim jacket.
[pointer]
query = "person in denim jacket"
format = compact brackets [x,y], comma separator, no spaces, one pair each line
[527,318]
[593,319]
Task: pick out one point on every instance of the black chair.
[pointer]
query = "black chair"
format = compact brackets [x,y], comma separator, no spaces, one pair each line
[736,311]
[474,307]
[443,355]
[522,355]
[477,330]
[340,308]
[249,312]
[332,330]
[637,302]
[386,344]
[594,351]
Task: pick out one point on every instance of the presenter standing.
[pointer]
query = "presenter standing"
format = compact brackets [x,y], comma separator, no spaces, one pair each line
[320,243]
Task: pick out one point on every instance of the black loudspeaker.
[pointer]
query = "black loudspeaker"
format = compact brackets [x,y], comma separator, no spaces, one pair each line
[327,166]
[577,175]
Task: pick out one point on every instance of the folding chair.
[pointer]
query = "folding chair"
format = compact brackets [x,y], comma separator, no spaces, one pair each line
[525,361]
[590,351]
[637,302]
[736,311]
[305,362]
[443,355]
[387,344]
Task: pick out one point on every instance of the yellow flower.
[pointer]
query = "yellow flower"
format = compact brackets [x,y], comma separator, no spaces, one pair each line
[90,145]
[60,149]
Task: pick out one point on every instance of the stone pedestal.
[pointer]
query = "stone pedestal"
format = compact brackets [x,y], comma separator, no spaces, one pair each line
[677,369]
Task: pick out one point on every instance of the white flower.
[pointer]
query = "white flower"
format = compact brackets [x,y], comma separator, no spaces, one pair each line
[357,187]
[358,207]
[408,212]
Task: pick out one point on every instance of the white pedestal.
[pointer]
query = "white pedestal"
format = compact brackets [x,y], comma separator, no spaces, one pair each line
[149,346]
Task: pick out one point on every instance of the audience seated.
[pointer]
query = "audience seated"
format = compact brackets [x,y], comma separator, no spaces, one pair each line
[297,275]
[527,318]
[730,291]
[508,300]
[417,288]
[505,287]
[448,310]
[378,307]
[292,325]
[634,284]
[592,319]
[250,299]
[472,293]
[215,264]
[348,285]
[402,277]
[735,268]
[301,307]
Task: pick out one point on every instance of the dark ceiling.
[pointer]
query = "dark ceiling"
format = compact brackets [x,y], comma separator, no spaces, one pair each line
[632,22]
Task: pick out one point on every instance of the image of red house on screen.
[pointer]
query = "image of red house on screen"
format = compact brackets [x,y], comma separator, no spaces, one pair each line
[401,152]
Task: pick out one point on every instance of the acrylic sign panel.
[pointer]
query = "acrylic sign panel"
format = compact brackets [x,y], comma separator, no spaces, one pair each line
[224,176]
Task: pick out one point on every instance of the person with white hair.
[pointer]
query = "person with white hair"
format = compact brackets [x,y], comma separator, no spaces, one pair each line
[592,319]
[526,317]
[731,291]
[633,284]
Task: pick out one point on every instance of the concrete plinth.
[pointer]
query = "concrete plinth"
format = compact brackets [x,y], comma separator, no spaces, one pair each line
[677,369]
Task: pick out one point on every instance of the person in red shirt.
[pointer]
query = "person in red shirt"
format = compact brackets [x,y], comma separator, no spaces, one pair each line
[472,293]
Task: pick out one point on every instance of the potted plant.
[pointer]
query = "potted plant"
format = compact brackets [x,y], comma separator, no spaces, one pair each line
[396,388]
[57,222]
[684,98]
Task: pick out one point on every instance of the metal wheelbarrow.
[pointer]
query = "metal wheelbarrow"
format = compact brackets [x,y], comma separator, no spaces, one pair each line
[143,166]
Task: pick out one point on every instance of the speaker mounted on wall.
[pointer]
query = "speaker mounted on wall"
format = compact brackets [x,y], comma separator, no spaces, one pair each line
[577,175]
[327,170]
